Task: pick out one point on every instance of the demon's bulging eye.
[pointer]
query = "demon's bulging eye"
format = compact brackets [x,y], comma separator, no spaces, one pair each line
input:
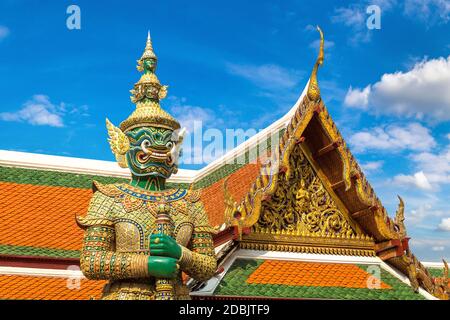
[144,145]
[169,145]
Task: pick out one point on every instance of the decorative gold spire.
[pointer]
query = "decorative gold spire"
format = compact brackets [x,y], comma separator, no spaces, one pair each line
[313,88]
[148,52]
[146,95]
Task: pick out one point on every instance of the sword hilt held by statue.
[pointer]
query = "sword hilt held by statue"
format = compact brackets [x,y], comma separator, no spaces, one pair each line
[164,286]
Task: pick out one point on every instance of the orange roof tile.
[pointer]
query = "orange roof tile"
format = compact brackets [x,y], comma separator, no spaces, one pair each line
[42,216]
[48,288]
[310,274]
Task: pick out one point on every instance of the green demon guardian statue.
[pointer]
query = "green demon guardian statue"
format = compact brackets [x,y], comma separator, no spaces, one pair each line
[140,236]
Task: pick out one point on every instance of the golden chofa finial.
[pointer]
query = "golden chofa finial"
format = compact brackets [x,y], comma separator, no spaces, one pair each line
[313,88]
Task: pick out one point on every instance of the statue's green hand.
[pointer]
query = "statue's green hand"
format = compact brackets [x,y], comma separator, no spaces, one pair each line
[162,267]
[162,245]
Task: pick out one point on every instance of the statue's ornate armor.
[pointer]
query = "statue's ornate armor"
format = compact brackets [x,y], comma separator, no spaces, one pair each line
[119,221]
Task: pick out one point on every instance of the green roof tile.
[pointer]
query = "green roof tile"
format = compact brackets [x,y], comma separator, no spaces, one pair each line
[234,284]
[436,272]
[60,179]
[38,252]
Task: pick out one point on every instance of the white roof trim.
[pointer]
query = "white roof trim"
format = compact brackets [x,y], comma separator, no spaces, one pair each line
[305,257]
[439,265]
[76,165]
[73,273]
[111,168]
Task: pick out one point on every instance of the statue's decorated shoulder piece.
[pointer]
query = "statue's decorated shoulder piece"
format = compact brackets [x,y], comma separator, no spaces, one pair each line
[140,236]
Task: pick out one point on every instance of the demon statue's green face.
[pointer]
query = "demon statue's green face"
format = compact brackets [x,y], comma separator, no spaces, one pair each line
[149,65]
[153,151]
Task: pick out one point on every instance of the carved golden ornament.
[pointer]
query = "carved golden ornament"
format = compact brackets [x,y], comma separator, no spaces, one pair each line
[315,247]
[400,218]
[127,237]
[162,92]
[442,289]
[148,86]
[301,203]
[118,142]
[334,135]
[294,132]
[313,87]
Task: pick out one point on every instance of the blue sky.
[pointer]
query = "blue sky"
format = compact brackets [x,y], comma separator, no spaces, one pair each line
[243,65]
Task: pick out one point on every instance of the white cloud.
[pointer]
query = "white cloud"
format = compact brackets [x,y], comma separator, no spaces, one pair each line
[37,111]
[438,248]
[4,32]
[193,117]
[433,162]
[393,138]
[435,167]
[353,17]
[384,4]
[267,76]
[418,214]
[372,166]
[424,208]
[421,92]
[357,98]
[427,243]
[419,180]
[428,11]
[445,224]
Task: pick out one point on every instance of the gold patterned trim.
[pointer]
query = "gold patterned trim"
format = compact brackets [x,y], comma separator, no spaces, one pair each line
[139,266]
[193,195]
[109,190]
[186,258]
[265,239]
[84,222]
[307,249]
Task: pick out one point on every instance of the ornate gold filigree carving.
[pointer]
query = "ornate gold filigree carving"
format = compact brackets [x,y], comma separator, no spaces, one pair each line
[301,204]
[119,143]
[400,218]
[127,237]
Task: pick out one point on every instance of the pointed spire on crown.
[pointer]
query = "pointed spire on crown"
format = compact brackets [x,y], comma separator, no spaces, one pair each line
[148,52]
[146,94]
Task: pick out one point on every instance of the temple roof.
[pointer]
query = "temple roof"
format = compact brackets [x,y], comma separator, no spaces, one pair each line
[309,280]
[288,275]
